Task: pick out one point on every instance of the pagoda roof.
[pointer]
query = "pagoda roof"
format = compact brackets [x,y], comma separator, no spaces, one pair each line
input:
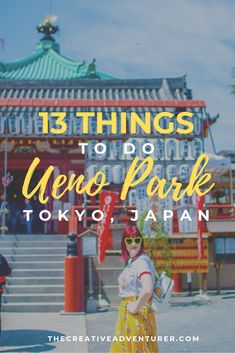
[85,88]
[47,63]
[78,90]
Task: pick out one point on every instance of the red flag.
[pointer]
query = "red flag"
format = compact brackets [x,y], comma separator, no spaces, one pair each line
[200,203]
[107,201]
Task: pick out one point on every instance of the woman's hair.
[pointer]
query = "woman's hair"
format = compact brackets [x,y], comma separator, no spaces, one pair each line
[130,232]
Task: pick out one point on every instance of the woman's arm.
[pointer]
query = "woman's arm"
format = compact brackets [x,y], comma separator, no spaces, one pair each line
[144,296]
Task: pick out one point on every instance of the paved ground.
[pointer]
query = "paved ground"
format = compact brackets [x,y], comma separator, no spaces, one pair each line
[213,322]
[29,332]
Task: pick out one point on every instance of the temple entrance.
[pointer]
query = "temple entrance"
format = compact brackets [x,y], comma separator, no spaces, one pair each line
[17,166]
[16,222]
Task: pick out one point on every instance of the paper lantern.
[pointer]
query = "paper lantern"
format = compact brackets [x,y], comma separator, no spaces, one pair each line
[91,171]
[171,171]
[158,170]
[14,125]
[2,124]
[184,173]
[107,170]
[76,125]
[132,197]
[159,149]
[171,149]
[196,146]
[117,149]
[26,124]
[118,174]
[183,149]
[91,150]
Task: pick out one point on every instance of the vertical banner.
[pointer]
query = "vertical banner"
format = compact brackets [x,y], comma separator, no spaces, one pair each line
[200,203]
[107,202]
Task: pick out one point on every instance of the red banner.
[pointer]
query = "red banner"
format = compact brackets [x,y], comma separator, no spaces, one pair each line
[200,203]
[107,202]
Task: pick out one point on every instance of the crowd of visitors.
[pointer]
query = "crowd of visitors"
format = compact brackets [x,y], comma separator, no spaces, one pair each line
[15,221]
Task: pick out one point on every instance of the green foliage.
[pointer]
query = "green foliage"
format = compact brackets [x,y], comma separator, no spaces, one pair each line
[140,222]
[159,241]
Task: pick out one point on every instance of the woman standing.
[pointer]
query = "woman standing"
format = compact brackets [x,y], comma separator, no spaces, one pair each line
[135,320]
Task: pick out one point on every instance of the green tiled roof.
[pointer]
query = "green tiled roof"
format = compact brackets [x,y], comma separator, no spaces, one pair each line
[46,63]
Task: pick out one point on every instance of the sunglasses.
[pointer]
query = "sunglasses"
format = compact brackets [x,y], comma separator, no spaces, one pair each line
[129,241]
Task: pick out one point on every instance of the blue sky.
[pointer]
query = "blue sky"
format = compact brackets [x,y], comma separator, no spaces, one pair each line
[150,38]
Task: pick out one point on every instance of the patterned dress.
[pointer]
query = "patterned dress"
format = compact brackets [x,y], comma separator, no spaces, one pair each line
[135,333]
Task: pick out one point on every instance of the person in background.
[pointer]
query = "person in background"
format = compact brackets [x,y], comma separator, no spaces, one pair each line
[4,213]
[38,225]
[136,282]
[14,214]
[5,270]
[29,223]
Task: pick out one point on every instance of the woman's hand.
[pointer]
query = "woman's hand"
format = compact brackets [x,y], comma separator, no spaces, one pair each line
[144,296]
[132,308]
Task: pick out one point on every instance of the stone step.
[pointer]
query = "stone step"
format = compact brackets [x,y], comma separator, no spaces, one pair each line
[59,280]
[35,289]
[35,250]
[37,265]
[37,243]
[37,273]
[108,276]
[33,307]
[110,261]
[37,280]
[32,298]
[36,258]
[36,294]
[34,237]
[7,244]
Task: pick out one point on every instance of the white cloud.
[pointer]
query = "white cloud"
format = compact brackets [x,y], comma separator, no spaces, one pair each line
[155,38]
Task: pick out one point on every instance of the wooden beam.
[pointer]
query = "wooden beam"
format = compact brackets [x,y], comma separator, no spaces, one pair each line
[125,103]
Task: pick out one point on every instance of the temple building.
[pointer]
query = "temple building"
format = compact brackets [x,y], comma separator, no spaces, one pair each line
[47,81]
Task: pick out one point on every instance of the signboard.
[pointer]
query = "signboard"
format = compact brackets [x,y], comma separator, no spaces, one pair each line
[89,245]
